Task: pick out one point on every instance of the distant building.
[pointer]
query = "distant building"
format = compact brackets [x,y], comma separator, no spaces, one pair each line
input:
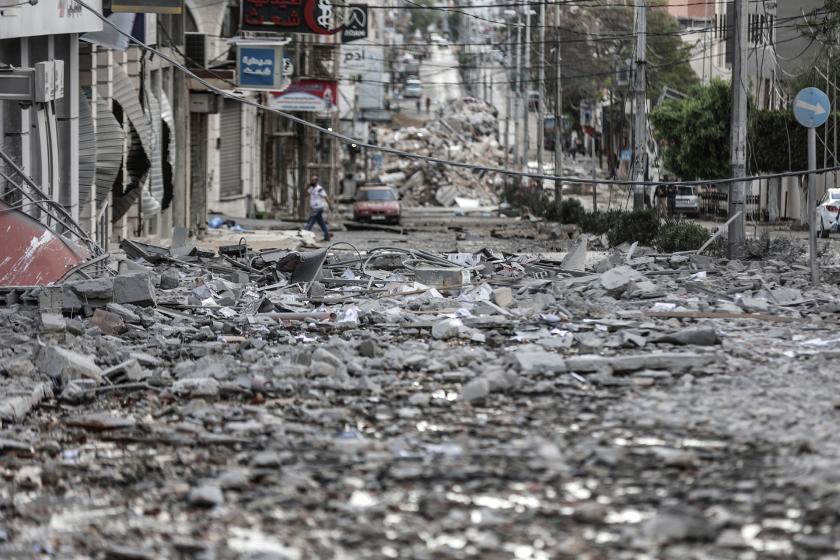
[707,28]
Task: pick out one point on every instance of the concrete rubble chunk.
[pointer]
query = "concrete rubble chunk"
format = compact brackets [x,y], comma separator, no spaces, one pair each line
[14,407]
[63,364]
[446,329]
[127,314]
[17,367]
[136,288]
[575,259]
[206,496]
[170,279]
[326,364]
[696,336]
[130,370]
[196,387]
[538,362]
[53,322]
[107,322]
[475,390]
[369,348]
[618,278]
[503,297]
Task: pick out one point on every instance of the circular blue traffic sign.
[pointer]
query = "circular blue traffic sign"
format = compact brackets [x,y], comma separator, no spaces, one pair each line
[811,107]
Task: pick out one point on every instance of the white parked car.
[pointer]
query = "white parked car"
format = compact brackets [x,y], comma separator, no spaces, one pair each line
[413,88]
[828,212]
[687,200]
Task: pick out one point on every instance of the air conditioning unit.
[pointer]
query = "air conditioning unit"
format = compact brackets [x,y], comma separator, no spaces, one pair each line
[196,47]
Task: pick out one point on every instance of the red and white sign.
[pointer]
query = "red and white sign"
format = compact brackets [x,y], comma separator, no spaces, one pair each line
[307,96]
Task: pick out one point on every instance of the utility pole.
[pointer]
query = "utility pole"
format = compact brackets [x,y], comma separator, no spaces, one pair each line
[738,146]
[558,112]
[507,121]
[640,155]
[526,113]
[541,88]
[517,83]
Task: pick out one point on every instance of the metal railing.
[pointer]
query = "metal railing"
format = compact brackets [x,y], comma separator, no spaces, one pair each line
[48,212]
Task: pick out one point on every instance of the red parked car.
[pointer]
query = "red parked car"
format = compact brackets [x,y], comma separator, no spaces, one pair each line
[376,204]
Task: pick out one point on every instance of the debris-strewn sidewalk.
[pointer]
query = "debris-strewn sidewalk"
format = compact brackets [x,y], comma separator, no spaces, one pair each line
[401,403]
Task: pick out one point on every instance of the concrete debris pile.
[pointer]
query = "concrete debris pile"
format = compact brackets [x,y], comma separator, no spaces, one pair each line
[402,403]
[466,131]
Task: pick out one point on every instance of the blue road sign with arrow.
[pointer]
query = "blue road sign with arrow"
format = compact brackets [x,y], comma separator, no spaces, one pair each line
[811,107]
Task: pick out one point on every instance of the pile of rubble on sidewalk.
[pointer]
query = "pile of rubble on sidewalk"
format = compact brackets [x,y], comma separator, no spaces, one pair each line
[465,131]
[312,401]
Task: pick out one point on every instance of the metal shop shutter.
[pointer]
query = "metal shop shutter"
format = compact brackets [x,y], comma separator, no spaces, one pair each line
[230,150]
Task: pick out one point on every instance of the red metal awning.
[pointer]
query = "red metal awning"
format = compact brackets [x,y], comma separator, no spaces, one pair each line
[31,254]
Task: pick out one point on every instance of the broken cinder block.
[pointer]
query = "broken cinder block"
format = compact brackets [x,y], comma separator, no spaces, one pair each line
[135,288]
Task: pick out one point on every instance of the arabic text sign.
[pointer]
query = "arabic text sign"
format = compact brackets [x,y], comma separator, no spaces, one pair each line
[288,16]
[260,67]
[307,96]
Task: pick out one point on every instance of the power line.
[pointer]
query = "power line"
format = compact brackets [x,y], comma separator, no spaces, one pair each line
[409,155]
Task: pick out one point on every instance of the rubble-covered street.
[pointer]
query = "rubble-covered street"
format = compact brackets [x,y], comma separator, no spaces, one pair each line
[405,402]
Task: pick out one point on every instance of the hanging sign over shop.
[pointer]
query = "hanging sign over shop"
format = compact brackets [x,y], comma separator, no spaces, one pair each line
[307,96]
[289,16]
[260,66]
[148,6]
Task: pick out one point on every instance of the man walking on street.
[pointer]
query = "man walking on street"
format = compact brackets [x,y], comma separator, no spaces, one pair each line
[318,200]
[428,104]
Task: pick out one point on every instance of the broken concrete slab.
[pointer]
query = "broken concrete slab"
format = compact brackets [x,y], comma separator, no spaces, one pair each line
[696,336]
[671,361]
[63,364]
[618,278]
[13,407]
[87,293]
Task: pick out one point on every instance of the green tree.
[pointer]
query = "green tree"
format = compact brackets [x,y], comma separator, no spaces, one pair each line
[592,65]
[694,136]
[777,142]
[693,133]
[421,19]
[822,24]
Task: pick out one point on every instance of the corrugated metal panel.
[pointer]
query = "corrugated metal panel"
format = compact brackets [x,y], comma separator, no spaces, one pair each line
[156,172]
[87,151]
[109,150]
[230,149]
[126,95]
